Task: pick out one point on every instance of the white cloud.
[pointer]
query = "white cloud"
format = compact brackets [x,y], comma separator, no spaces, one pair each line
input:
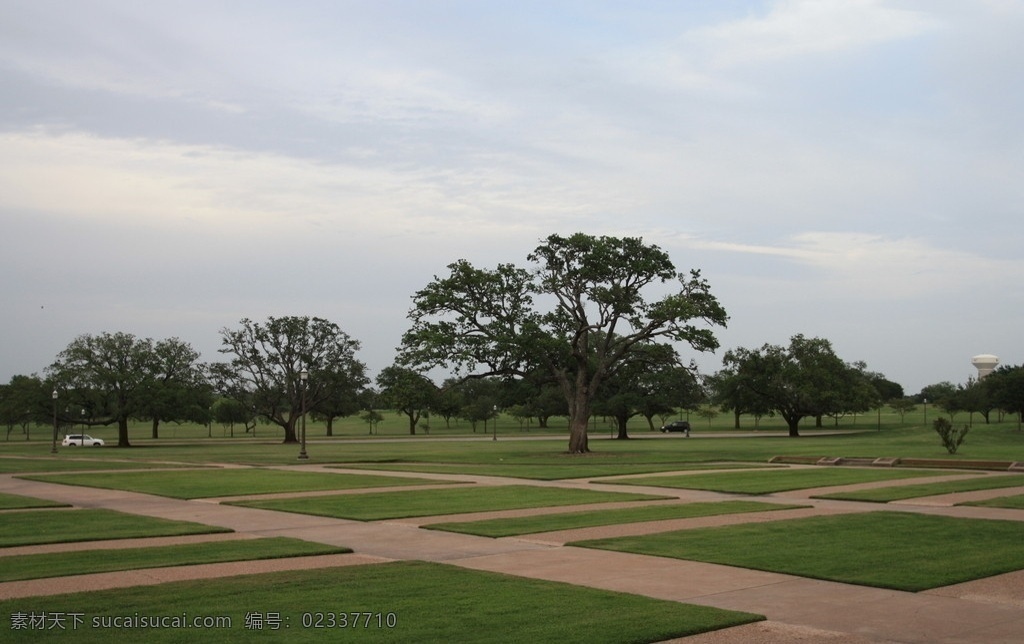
[801,28]
[875,266]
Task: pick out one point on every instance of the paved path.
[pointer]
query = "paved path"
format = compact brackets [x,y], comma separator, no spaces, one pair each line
[798,609]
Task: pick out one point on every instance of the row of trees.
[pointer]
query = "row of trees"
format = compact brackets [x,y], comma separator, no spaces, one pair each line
[593,325]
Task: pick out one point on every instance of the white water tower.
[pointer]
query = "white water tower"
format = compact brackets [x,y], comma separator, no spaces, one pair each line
[985,364]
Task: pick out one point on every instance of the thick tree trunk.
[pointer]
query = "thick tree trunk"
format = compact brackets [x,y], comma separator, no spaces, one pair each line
[289,431]
[156,428]
[578,436]
[122,432]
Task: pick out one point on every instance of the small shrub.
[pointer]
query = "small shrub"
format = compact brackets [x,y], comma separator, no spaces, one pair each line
[951,438]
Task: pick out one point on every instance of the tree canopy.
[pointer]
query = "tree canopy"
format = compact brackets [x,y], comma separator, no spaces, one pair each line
[269,358]
[805,379]
[578,313]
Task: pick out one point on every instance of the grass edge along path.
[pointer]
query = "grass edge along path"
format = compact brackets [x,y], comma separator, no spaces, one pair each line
[67,526]
[897,550]
[393,602]
[186,485]
[374,506]
[515,526]
[81,562]
[18,502]
[772,481]
[901,492]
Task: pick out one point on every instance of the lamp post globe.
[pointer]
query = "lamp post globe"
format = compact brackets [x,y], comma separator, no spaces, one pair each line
[53,449]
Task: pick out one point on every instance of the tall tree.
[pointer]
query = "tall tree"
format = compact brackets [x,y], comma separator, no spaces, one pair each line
[119,366]
[1006,390]
[592,310]
[409,392]
[805,379]
[268,359]
[178,389]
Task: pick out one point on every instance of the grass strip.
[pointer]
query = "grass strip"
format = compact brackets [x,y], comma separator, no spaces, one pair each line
[900,492]
[63,463]
[771,481]
[18,502]
[67,526]
[81,562]
[1015,502]
[213,483]
[544,471]
[373,506]
[902,551]
[514,526]
[396,602]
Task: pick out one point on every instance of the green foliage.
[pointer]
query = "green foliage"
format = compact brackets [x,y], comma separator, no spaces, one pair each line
[267,365]
[952,438]
[804,379]
[486,322]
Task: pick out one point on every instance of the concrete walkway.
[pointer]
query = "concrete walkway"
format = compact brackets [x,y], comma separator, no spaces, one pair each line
[798,609]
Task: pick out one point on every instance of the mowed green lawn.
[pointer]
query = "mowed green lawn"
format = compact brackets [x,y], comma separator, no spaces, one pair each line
[198,484]
[902,551]
[778,480]
[898,493]
[373,506]
[64,526]
[81,562]
[17,502]
[393,602]
[513,526]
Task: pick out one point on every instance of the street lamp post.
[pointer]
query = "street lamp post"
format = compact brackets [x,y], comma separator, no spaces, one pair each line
[53,450]
[303,377]
[925,412]
[494,425]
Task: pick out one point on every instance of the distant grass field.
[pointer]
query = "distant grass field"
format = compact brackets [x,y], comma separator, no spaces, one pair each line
[771,481]
[373,506]
[184,484]
[514,526]
[66,526]
[895,550]
[81,562]
[393,602]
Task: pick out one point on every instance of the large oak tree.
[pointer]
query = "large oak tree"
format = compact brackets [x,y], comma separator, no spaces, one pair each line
[268,359]
[582,308]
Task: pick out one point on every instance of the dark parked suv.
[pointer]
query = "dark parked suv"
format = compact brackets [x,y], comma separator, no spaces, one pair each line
[677,426]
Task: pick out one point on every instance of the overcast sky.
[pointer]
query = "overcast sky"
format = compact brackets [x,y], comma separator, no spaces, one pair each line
[846,169]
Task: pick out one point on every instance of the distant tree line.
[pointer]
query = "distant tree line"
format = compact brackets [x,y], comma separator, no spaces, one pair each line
[592,328]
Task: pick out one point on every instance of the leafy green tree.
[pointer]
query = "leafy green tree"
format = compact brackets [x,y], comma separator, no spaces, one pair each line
[120,367]
[178,389]
[634,380]
[802,380]
[407,391]
[592,310]
[23,401]
[952,438]
[903,406]
[1006,389]
[269,358]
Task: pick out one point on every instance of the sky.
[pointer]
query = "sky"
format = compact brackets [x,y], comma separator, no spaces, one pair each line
[844,169]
